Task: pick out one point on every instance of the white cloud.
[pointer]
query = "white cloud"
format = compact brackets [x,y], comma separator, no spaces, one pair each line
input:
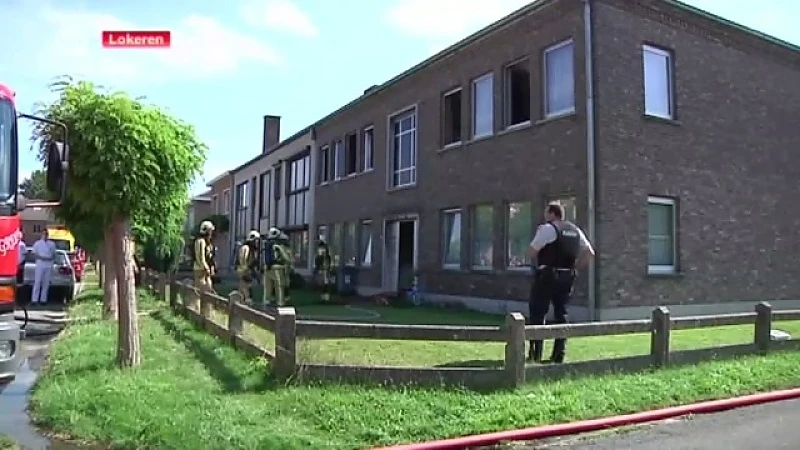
[279,15]
[201,47]
[447,19]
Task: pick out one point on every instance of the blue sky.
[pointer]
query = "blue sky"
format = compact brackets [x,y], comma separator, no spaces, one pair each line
[232,62]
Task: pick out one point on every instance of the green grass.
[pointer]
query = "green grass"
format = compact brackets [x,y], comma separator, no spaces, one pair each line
[193,392]
[7,443]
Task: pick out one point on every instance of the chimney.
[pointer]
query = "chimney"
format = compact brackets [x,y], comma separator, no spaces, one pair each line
[272,133]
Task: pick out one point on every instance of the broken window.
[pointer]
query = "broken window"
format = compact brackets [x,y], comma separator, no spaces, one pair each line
[452,117]
[518,93]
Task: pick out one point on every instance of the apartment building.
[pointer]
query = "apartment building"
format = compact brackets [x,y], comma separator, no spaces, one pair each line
[221,188]
[275,189]
[669,134]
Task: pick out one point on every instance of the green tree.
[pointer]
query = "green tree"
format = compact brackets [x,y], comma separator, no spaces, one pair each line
[35,186]
[130,169]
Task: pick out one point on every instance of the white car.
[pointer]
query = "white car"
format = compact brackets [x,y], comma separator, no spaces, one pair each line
[62,279]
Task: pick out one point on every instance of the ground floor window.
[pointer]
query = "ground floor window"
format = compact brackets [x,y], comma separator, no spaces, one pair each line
[519,233]
[451,239]
[661,224]
[482,225]
[350,250]
[335,243]
[365,243]
[298,241]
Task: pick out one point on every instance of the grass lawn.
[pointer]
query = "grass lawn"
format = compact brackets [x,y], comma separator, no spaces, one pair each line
[429,354]
[193,392]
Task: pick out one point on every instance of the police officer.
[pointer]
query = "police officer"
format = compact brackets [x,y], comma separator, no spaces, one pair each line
[277,266]
[247,263]
[322,269]
[203,257]
[557,248]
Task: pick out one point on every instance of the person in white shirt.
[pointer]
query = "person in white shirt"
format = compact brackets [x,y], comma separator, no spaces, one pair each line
[44,250]
[21,260]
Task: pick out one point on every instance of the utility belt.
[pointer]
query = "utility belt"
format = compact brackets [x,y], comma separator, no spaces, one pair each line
[562,274]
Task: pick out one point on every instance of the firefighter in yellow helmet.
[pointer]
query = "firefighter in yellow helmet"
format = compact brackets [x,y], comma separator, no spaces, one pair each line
[202,257]
[277,267]
[247,264]
[322,269]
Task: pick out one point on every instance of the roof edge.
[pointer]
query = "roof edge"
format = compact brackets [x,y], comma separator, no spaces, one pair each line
[218,178]
[275,147]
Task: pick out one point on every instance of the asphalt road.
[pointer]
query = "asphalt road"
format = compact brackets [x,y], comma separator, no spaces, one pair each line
[772,426]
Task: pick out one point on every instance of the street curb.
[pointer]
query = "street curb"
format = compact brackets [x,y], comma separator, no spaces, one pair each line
[585,426]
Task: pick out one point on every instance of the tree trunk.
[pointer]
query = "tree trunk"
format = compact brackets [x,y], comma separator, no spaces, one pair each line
[109,275]
[128,349]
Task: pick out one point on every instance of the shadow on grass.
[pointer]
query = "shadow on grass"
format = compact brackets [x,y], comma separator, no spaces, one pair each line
[231,380]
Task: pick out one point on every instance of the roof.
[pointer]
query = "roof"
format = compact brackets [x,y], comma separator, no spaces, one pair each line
[527,10]
[37,214]
[280,144]
[218,178]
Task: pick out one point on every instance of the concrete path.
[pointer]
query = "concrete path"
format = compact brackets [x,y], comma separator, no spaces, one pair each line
[772,426]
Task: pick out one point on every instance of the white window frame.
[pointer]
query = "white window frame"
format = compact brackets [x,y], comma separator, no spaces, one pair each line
[668,268]
[365,259]
[507,91]
[546,84]
[446,238]
[490,77]
[394,171]
[461,131]
[670,81]
[368,157]
[338,148]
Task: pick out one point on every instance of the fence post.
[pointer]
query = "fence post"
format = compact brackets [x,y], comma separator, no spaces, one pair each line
[763,329]
[173,293]
[659,337]
[206,305]
[515,349]
[235,323]
[285,343]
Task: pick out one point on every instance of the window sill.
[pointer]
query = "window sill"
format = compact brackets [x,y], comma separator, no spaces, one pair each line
[666,120]
[482,270]
[452,268]
[556,117]
[663,275]
[515,127]
[401,188]
[480,138]
[450,146]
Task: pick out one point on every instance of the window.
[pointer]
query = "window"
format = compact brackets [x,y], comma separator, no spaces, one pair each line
[338,160]
[365,243]
[350,251]
[335,243]
[662,251]
[570,211]
[368,147]
[322,233]
[298,195]
[483,106]
[451,128]
[242,209]
[298,242]
[351,154]
[519,233]
[253,201]
[277,182]
[404,149]
[482,236]
[559,79]
[324,164]
[451,239]
[658,82]
[266,185]
[226,201]
[37,228]
[517,93]
[215,204]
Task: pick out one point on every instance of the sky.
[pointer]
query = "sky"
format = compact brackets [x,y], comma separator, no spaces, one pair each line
[232,62]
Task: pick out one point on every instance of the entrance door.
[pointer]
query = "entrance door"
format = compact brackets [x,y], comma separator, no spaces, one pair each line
[391,251]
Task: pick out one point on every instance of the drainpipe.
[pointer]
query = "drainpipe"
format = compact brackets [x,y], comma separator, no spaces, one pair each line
[590,149]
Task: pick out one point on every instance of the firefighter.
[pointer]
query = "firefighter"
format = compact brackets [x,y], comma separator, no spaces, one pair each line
[322,269]
[203,257]
[247,264]
[277,267]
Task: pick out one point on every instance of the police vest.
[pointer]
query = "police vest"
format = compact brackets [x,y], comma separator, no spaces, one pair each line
[563,252]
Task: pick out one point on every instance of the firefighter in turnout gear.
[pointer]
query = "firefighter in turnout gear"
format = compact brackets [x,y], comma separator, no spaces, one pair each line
[558,248]
[277,267]
[203,257]
[322,270]
[247,261]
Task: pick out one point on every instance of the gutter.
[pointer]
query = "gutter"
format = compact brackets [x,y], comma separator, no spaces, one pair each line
[591,151]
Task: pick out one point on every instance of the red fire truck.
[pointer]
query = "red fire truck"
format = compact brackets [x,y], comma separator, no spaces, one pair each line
[10,207]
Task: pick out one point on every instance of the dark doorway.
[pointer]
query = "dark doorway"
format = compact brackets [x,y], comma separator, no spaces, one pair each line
[405,256]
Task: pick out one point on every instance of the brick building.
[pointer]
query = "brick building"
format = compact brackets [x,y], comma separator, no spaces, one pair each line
[670,134]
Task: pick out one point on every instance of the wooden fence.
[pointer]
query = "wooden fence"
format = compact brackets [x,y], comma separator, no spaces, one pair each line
[288,330]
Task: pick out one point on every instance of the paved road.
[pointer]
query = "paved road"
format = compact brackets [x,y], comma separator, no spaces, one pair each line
[773,426]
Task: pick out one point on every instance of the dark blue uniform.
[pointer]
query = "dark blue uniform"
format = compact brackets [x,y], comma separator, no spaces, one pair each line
[553,282]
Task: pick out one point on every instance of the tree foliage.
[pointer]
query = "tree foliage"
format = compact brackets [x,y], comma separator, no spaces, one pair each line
[35,186]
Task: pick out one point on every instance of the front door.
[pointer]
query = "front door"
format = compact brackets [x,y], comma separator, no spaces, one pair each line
[391,250]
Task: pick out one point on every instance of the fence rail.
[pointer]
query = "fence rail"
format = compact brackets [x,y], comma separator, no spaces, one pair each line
[199,307]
